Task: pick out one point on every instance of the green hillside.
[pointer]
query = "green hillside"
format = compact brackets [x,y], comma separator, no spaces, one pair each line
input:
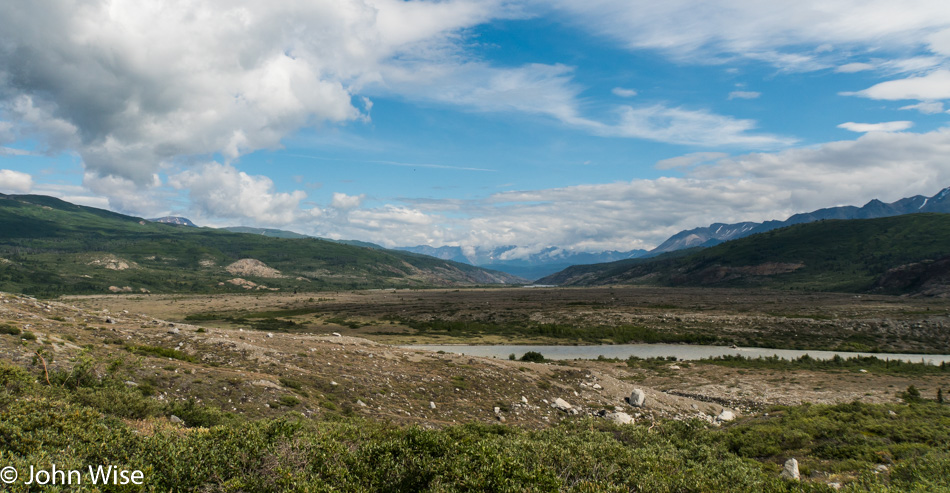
[50,247]
[851,256]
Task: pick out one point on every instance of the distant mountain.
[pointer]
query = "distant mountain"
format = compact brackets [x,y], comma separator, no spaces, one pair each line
[272,233]
[908,253]
[50,247]
[179,221]
[531,266]
[717,233]
[280,233]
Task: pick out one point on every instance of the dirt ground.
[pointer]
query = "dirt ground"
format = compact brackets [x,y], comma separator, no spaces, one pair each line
[325,369]
[734,316]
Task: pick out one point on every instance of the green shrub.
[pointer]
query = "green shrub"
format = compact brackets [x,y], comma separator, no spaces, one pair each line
[533,357]
[9,330]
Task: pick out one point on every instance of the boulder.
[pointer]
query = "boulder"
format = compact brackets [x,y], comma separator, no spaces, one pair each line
[562,404]
[790,471]
[637,398]
[726,415]
[620,418]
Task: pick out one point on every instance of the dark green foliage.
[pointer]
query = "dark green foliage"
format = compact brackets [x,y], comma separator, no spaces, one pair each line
[194,414]
[911,395]
[9,330]
[28,336]
[853,363]
[162,352]
[533,357]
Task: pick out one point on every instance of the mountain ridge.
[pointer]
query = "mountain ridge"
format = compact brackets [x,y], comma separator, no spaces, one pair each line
[720,232]
[889,254]
[51,247]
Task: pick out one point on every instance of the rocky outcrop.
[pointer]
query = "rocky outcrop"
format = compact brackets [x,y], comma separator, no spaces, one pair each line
[253,267]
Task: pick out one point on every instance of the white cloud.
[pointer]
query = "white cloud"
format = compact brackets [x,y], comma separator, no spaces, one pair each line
[549,90]
[623,92]
[345,202]
[927,108]
[877,127]
[685,126]
[801,35]
[134,85]
[643,213]
[930,87]
[850,68]
[15,181]
[221,191]
[689,160]
[744,95]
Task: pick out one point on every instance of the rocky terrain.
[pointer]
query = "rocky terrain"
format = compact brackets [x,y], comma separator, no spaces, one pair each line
[321,372]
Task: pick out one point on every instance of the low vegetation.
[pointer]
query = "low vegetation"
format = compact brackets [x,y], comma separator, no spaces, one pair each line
[854,363]
[101,420]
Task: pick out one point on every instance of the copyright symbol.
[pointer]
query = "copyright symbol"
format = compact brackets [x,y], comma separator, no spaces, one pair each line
[8,474]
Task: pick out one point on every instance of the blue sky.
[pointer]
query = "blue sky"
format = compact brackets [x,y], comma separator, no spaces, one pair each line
[599,125]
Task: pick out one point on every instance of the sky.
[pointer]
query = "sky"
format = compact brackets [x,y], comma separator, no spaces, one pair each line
[588,126]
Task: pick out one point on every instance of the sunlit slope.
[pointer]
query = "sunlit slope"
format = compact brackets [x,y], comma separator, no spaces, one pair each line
[50,247]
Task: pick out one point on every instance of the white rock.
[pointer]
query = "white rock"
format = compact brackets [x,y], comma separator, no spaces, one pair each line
[360,403]
[726,415]
[270,335]
[637,398]
[524,400]
[173,330]
[620,418]
[337,334]
[790,471]
[431,405]
[597,386]
[562,404]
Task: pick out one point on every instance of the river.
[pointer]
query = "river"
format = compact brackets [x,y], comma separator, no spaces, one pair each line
[680,351]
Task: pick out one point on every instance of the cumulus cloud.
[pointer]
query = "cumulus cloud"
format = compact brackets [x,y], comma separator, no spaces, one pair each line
[134,85]
[802,35]
[344,201]
[220,191]
[877,127]
[15,181]
[744,95]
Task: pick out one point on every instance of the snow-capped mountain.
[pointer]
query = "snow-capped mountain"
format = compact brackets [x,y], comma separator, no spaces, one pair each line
[718,232]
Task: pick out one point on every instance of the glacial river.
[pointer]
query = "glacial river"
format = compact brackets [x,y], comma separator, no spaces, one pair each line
[680,351]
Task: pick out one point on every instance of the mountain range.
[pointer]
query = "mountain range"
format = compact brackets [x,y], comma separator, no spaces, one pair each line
[530,266]
[717,233]
[908,253]
[51,247]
